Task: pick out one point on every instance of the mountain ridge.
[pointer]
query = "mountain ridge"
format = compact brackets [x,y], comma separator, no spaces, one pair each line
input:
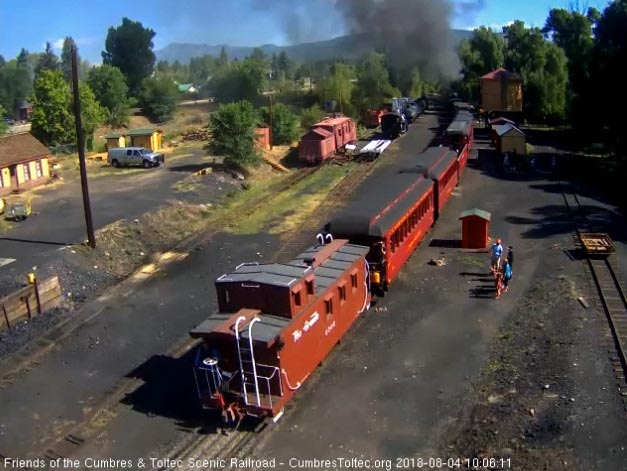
[346,47]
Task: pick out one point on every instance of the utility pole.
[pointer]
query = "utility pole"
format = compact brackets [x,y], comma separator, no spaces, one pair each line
[270,137]
[81,150]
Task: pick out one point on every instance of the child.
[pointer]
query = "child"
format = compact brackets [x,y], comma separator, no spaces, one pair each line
[507,275]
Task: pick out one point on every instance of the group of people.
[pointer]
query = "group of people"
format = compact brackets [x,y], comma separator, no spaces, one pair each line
[501,268]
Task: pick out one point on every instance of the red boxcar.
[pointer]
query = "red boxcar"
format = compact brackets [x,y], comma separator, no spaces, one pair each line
[391,217]
[315,146]
[276,323]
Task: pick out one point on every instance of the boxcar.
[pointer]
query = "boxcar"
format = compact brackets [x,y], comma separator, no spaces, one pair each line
[326,138]
[391,217]
[276,323]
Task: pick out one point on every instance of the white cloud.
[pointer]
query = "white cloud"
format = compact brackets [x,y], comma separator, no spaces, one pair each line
[58,43]
[498,27]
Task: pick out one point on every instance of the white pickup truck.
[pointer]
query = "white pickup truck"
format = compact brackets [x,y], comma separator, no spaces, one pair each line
[134,156]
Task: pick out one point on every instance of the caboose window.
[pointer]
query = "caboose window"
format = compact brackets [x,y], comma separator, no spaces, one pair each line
[328,306]
[354,280]
[297,298]
[310,287]
[341,291]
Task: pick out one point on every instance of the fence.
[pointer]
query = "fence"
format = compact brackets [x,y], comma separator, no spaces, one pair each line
[29,301]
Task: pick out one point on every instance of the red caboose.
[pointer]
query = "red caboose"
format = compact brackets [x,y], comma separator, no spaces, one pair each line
[326,138]
[276,323]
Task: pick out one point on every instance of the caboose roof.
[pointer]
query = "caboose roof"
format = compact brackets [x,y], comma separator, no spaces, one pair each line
[332,121]
[276,274]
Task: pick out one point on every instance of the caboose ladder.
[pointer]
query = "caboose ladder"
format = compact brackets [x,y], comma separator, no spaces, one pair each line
[247,364]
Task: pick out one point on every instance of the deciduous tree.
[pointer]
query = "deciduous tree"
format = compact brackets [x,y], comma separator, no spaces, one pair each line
[109,87]
[52,121]
[284,123]
[158,98]
[233,132]
[129,48]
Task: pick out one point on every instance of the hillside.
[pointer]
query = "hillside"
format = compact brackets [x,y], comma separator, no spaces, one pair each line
[343,46]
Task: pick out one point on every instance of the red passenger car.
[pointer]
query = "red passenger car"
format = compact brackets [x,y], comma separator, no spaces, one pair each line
[327,138]
[276,323]
[440,164]
[391,217]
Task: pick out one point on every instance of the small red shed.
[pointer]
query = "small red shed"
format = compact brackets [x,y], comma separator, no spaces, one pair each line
[475,228]
[262,138]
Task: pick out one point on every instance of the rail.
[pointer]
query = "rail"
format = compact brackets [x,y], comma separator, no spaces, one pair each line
[608,285]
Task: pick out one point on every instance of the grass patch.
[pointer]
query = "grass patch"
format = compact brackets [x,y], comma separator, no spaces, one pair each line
[187,186]
[290,209]
[5,225]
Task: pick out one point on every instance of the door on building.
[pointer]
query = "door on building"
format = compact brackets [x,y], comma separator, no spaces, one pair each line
[14,183]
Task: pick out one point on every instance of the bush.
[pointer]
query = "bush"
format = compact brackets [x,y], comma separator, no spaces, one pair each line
[233,129]
[284,124]
[158,98]
[310,116]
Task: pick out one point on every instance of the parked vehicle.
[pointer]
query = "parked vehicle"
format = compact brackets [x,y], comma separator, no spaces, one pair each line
[16,208]
[122,156]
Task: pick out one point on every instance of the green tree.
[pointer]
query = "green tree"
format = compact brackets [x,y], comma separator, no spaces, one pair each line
[129,48]
[201,68]
[158,98]
[482,53]
[373,83]
[233,133]
[310,116]
[239,81]
[92,114]
[3,124]
[47,61]
[610,56]
[284,64]
[15,86]
[52,121]
[109,87]
[338,85]
[66,57]
[284,123]
[224,57]
[22,58]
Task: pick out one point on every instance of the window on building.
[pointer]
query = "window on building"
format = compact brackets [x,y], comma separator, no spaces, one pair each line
[38,170]
[26,168]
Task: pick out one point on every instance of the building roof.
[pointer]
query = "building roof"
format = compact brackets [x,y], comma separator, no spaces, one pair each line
[18,148]
[475,212]
[501,119]
[332,121]
[186,87]
[25,104]
[502,129]
[114,135]
[142,132]
[318,132]
[501,73]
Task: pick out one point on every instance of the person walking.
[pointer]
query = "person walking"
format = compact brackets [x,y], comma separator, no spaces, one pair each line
[507,274]
[510,255]
[495,261]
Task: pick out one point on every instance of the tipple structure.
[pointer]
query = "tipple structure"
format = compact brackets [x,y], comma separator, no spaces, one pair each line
[276,323]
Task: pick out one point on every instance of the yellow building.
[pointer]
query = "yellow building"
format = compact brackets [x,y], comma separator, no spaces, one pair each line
[115,139]
[24,163]
[501,90]
[510,139]
[149,138]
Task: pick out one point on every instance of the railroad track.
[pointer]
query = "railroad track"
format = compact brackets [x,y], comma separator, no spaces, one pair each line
[611,293]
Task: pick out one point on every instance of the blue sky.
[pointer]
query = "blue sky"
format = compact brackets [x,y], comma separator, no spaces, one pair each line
[30,23]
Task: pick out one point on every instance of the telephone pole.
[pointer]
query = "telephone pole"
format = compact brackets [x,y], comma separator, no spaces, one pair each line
[81,150]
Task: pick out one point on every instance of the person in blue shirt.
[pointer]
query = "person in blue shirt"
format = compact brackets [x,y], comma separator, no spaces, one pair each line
[497,251]
[507,275]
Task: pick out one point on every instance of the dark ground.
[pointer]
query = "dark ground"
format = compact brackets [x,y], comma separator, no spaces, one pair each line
[441,369]
[425,373]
